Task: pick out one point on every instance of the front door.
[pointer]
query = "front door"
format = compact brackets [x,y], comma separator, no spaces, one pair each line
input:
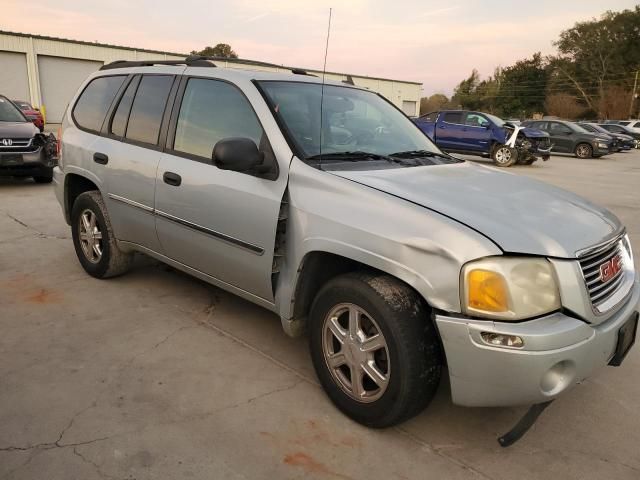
[477,132]
[449,131]
[561,137]
[219,222]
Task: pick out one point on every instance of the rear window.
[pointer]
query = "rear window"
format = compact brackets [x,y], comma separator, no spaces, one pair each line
[148,108]
[453,117]
[95,100]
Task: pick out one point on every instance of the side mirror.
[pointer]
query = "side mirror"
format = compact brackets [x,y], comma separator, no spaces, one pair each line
[238,154]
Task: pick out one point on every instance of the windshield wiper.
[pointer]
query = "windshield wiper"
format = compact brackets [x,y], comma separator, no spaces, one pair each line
[418,154]
[354,156]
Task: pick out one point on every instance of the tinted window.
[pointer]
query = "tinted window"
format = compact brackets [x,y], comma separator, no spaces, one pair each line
[476,120]
[148,108]
[558,128]
[453,117]
[119,122]
[212,110]
[95,100]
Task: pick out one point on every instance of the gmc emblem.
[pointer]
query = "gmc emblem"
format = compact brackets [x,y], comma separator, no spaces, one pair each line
[610,268]
[7,142]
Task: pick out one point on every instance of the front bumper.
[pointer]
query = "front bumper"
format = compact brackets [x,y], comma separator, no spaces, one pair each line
[24,164]
[559,351]
[599,150]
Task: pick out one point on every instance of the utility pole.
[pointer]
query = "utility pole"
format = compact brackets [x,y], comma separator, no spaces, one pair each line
[633,95]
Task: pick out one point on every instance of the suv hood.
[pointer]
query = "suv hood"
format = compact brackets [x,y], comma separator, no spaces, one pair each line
[17,130]
[519,214]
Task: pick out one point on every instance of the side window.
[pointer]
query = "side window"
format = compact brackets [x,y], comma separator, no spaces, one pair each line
[119,121]
[148,108]
[558,128]
[210,111]
[453,117]
[476,120]
[94,102]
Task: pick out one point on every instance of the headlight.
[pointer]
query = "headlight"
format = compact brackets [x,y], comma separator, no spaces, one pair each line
[603,145]
[509,288]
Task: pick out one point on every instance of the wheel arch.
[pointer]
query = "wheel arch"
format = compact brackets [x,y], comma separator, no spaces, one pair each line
[74,185]
[318,266]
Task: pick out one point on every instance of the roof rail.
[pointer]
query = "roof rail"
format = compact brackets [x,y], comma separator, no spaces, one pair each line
[191,61]
[255,63]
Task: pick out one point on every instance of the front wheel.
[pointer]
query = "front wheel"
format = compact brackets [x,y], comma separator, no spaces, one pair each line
[504,156]
[584,150]
[374,348]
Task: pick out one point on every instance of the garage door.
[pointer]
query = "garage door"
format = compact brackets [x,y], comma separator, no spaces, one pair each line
[14,82]
[59,81]
[409,108]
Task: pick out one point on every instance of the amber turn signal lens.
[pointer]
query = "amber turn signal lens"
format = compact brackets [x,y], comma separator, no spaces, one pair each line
[487,291]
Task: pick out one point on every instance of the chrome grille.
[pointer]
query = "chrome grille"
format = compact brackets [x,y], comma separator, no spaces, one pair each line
[16,145]
[600,291]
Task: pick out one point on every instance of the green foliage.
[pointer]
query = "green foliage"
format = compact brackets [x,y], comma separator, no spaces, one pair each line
[220,50]
[596,63]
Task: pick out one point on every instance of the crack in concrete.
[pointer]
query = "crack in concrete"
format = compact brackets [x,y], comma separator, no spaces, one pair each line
[439,451]
[161,342]
[97,468]
[37,232]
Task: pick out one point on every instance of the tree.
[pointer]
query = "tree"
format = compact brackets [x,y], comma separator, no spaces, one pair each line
[564,105]
[598,54]
[435,102]
[220,50]
[522,87]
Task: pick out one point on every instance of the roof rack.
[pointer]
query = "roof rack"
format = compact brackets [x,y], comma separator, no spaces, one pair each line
[199,61]
[190,61]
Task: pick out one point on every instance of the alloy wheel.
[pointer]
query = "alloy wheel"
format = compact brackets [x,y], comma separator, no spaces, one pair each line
[90,236]
[356,352]
[503,155]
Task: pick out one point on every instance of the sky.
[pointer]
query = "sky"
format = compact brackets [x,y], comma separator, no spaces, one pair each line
[433,42]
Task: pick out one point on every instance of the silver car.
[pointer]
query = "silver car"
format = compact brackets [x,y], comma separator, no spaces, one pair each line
[325,204]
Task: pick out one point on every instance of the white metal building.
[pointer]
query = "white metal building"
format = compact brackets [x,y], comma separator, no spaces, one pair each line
[47,71]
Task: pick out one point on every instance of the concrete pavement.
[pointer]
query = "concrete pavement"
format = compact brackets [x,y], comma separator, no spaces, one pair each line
[158,375]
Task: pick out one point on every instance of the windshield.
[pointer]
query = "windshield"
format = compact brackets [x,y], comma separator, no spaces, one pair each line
[9,112]
[497,120]
[353,120]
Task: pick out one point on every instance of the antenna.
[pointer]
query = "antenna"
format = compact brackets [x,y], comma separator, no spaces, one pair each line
[324,69]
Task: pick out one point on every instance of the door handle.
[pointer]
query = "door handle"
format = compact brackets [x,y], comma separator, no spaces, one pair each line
[100,158]
[171,178]
[442,126]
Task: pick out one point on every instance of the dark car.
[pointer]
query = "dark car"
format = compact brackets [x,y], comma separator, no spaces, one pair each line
[616,128]
[621,142]
[33,114]
[24,151]
[569,137]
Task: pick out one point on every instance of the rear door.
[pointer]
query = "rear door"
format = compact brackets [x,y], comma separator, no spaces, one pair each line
[219,222]
[450,131]
[132,156]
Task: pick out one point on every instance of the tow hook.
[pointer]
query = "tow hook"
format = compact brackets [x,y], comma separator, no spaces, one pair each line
[523,425]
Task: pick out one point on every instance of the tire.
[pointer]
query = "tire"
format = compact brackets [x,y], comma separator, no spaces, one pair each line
[504,156]
[40,179]
[46,178]
[584,150]
[410,358]
[111,261]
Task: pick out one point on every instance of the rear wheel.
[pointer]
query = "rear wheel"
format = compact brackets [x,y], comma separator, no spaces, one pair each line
[504,156]
[93,238]
[584,150]
[374,348]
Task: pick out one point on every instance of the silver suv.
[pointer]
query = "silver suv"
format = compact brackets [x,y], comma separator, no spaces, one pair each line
[325,204]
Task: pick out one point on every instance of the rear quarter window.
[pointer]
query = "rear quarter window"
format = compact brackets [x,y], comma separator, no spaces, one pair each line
[94,102]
